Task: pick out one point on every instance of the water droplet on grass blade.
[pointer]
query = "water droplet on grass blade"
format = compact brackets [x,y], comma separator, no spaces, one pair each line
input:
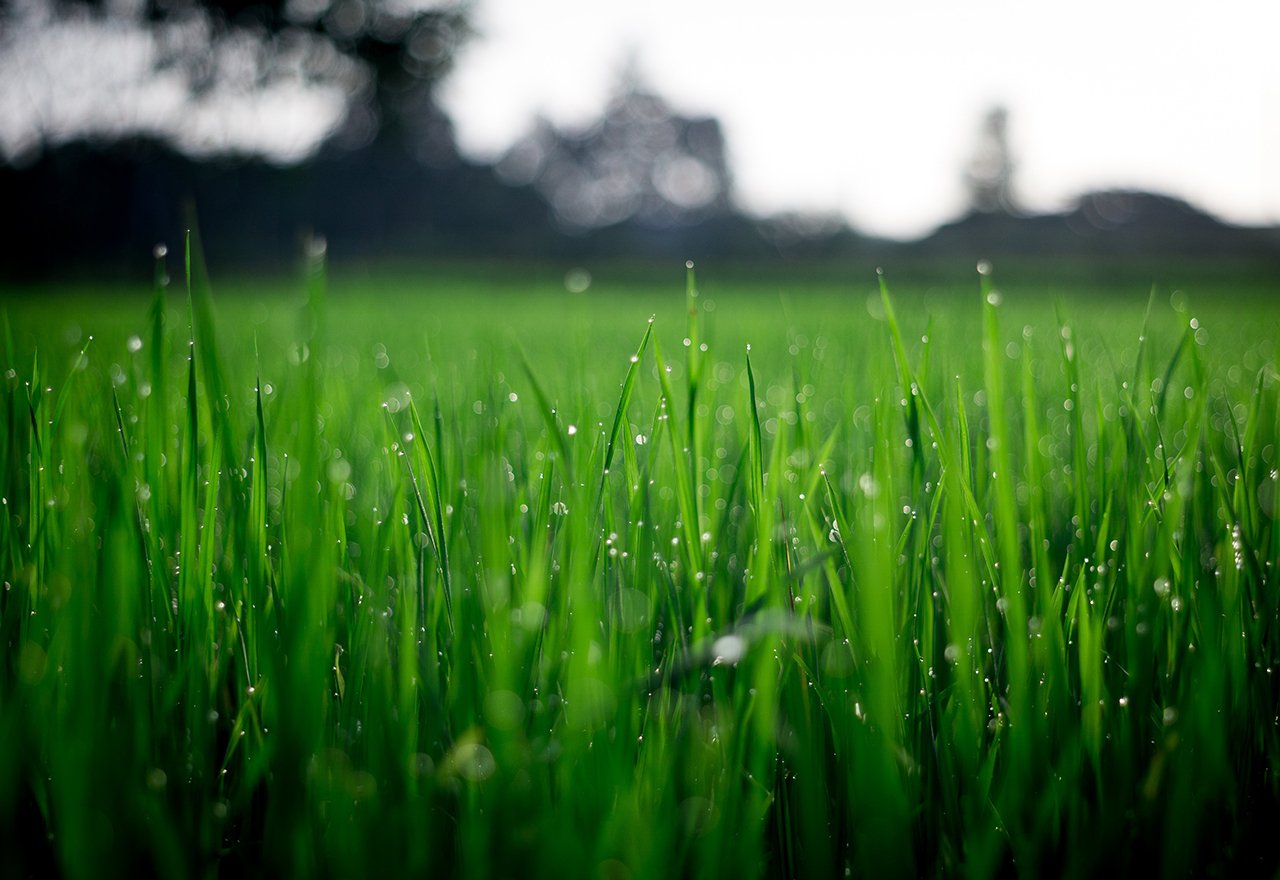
[473,761]
[728,650]
[577,280]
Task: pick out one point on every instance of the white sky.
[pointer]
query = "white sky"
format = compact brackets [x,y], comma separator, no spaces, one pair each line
[874,109]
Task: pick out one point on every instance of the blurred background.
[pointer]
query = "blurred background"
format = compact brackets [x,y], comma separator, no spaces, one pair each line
[570,132]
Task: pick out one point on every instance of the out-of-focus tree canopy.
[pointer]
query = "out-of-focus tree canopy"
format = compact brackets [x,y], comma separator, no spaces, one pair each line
[989,175]
[641,160]
[275,78]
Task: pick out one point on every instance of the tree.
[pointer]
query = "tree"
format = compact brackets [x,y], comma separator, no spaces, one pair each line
[228,76]
[989,175]
[640,161]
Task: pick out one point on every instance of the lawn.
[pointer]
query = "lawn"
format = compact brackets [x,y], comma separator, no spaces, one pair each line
[454,573]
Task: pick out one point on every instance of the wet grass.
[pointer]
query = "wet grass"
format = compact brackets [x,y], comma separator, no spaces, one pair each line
[346,578]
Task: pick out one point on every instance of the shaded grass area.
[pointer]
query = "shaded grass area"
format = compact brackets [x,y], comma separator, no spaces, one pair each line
[460,576]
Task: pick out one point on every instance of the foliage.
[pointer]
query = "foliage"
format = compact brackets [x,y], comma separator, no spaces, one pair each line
[273,78]
[640,161]
[989,176]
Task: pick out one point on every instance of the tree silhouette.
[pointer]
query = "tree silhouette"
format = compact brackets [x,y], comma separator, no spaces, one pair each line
[640,161]
[989,175]
[370,67]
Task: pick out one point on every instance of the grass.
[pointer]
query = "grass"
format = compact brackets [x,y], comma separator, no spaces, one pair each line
[503,581]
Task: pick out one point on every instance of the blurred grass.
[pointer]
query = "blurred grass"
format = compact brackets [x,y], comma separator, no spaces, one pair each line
[468,574]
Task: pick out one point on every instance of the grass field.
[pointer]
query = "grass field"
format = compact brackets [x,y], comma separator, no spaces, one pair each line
[360,577]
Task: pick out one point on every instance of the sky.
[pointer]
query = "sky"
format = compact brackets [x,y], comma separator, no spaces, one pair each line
[873,110]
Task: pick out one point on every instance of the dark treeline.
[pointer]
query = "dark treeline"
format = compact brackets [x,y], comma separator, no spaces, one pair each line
[86,208]
[93,206]
[642,182]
